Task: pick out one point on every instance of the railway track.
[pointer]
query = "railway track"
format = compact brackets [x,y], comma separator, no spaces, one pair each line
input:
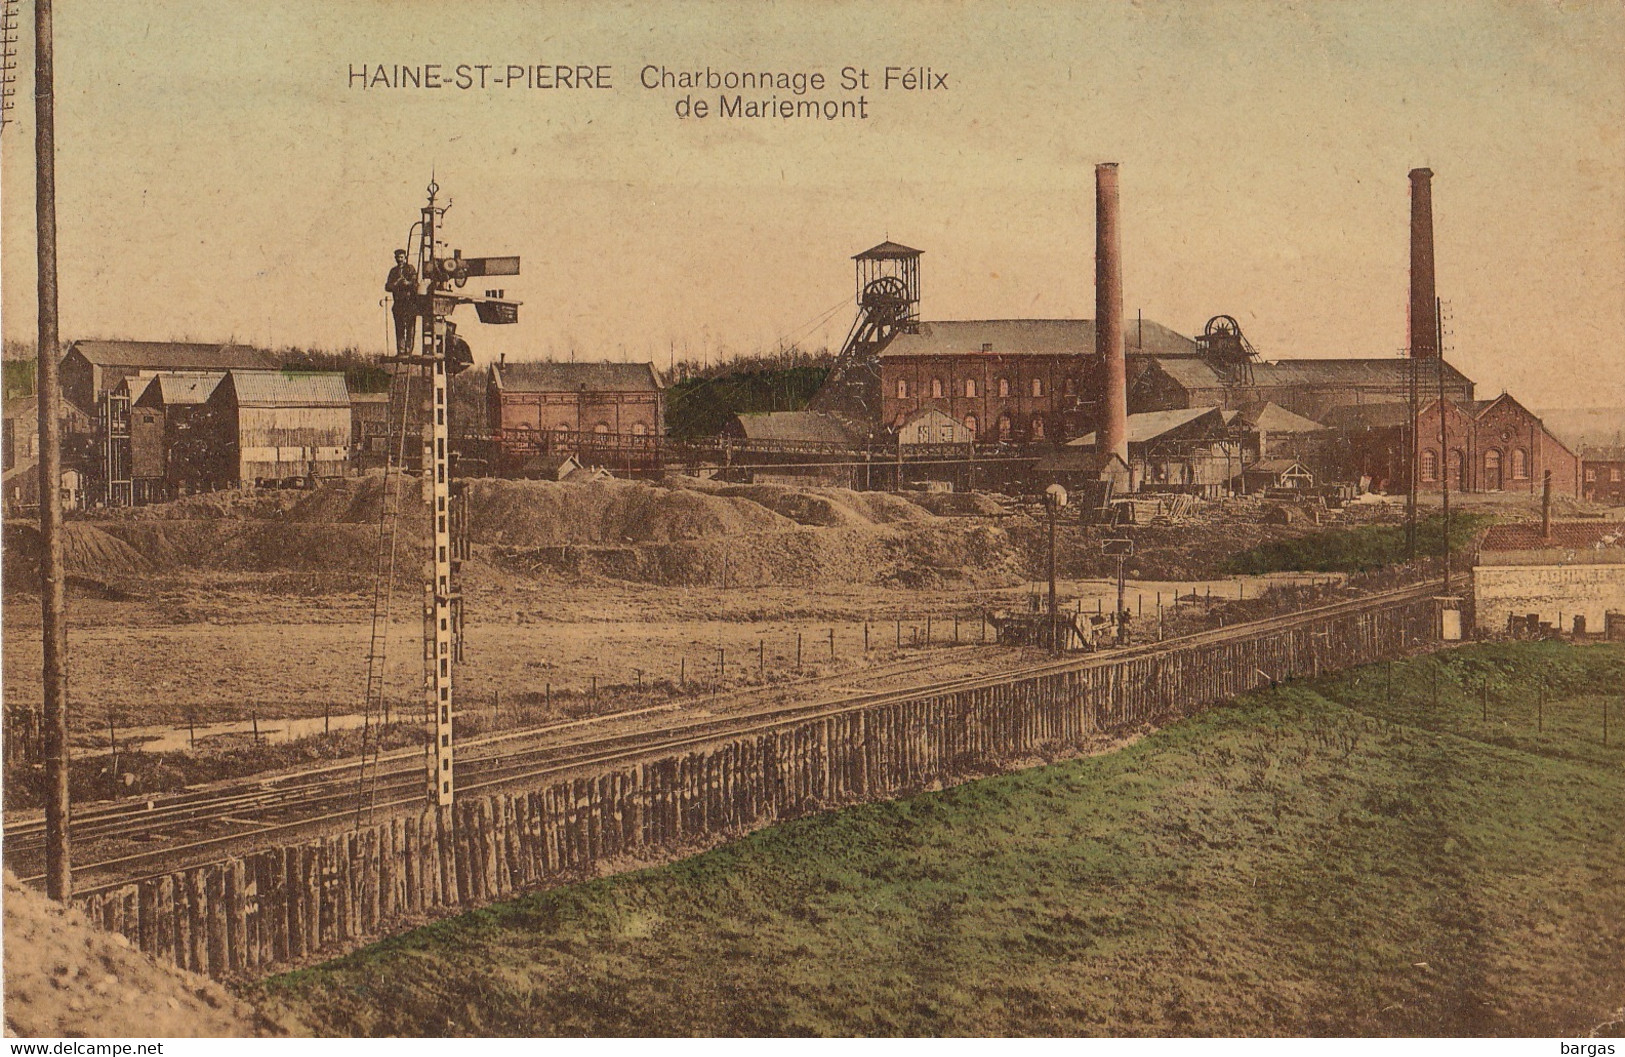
[169,830]
[321,799]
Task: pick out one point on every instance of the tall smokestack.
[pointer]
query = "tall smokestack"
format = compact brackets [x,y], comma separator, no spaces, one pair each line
[1113,431]
[1424,325]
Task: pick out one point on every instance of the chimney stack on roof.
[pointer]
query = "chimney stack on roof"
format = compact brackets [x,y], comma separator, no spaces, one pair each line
[1113,430]
[1424,327]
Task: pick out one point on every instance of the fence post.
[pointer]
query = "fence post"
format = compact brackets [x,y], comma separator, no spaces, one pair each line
[832,644]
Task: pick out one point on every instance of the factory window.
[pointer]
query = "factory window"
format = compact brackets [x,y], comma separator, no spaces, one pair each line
[970,387]
[1591,475]
[1613,475]
[923,435]
[1070,387]
[1430,465]
[1037,430]
[1038,387]
[1520,464]
[902,389]
[936,388]
[1004,427]
[1458,467]
[971,424]
[1004,387]
[1492,470]
[602,429]
[639,429]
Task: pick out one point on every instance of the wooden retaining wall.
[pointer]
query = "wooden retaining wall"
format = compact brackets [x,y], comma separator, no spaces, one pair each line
[285,904]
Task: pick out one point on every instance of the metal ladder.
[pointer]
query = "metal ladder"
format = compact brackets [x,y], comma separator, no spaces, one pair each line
[376,702]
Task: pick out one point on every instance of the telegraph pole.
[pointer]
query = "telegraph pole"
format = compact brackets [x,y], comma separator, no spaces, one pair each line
[1444,452]
[58,870]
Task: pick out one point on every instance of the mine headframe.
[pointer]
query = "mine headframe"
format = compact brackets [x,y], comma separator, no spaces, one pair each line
[888,299]
[1227,350]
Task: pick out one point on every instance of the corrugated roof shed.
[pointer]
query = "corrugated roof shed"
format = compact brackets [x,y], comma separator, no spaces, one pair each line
[1150,425]
[175,387]
[794,427]
[1566,535]
[1273,418]
[548,376]
[1188,372]
[173,355]
[1024,337]
[290,389]
[1389,371]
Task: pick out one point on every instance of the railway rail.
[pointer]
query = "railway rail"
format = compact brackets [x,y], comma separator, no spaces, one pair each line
[324,799]
[228,816]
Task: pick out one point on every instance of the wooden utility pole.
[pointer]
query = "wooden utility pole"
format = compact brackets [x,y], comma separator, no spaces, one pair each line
[1444,447]
[58,871]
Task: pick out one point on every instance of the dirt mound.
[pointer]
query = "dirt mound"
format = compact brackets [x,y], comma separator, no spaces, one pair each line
[86,551]
[550,513]
[956,504]
[64,978]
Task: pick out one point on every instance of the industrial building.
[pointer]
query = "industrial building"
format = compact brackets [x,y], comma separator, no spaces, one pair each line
[1005,380]
[92,368]
[1567,575]
[1603,474]
[603,412]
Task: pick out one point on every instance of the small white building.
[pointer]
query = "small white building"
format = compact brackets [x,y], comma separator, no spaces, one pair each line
[932,429]
[1578,570]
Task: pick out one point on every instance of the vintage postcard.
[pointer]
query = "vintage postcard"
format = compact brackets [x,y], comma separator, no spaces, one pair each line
[815,519]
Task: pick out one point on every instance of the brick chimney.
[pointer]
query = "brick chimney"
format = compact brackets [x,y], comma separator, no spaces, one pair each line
[1113,427]
[1424,327]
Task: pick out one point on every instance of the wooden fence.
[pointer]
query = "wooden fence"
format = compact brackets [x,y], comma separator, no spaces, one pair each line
[286,904]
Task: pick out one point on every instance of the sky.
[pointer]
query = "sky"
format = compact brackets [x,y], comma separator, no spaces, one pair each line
[222,175]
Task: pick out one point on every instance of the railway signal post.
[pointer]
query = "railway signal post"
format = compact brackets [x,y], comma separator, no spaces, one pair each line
[442,355]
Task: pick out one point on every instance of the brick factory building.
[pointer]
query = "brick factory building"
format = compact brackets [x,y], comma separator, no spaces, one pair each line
[1015,380]
[1603,474]
[545,406]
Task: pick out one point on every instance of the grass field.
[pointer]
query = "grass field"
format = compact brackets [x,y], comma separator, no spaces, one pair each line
[1359,548]
[1338,857]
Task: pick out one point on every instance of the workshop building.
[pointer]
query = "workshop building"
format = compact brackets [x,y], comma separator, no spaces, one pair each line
[1569,575]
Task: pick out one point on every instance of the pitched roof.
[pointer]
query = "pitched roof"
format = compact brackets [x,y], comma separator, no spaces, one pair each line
[1023,337]
[174,387]
[1599,453]
[886,251]
[1277,466]
[1273,418]
[794,427]
[1067,459]
[549,376]
[1394,370]
[290,389]
[1187,371]
[173,355]
[1149,425]
[1566,535]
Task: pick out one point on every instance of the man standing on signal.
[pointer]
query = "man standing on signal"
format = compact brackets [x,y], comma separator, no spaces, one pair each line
[402,285]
